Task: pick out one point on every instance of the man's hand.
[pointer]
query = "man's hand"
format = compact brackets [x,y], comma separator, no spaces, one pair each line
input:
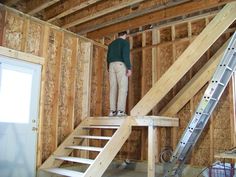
[128,73]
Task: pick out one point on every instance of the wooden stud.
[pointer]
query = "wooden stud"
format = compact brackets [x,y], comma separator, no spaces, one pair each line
[39,5]
[101,13]
[154,17]
[194,85]
[72,9]
[152,132]
[219,24]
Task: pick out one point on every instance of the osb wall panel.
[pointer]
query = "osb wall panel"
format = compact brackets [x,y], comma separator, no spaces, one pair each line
[13,35]
[66,87]
[62,76]
[52,68]
[97,82]
[2,23]
[169,48]
[34,38]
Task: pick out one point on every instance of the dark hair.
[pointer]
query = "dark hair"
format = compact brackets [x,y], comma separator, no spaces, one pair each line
[122,33]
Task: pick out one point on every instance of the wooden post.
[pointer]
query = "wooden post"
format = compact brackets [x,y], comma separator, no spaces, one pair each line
[152,132]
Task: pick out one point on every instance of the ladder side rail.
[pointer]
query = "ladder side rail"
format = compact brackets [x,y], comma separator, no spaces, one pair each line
[207,104]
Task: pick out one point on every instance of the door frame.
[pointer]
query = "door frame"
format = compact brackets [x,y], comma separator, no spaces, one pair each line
[18,55]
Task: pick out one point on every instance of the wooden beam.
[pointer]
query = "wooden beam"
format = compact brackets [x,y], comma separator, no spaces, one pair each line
[99,23]
[102,12]
[152,144]
[157,16]
[189,57]
[161,121]
[10,2]
[36,6]
[66,10]
[194,85]
[21,55]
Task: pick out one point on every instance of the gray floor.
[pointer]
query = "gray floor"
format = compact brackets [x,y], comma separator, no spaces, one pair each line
[123,173]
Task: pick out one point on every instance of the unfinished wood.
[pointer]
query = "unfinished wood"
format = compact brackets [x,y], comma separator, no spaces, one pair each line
[61,151]
[155,17]
[225,155]
[43,52]
[75,159]
[161,121]
[194,85]
[219,24]
[36,6]
[67,86]
[113,146]
[34,38]
[10,2]
[87,148]
[13,32]
[102,12]
[87,49]
[65,172]
[2,23]
[124,15]
[21,55]
[67,8]
[152,132]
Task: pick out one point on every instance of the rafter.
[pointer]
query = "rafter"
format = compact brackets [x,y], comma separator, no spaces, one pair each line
[190,7]
[97,24]
[71,9]
[36,6]
[101,13]
[10,2]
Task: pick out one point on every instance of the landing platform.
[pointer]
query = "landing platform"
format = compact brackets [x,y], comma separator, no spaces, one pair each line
[157,121]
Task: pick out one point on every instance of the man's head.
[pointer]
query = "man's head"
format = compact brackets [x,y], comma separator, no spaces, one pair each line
[122,34]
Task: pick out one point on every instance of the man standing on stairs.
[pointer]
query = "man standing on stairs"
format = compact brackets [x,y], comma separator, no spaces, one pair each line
[119,68]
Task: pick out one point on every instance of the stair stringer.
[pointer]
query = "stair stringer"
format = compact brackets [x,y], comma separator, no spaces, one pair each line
[110,150]
[61,150]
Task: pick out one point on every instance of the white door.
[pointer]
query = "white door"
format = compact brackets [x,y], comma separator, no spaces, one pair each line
[19,103]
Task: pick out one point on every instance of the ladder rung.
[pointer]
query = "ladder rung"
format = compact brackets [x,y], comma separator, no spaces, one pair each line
[88,148]
[229,68]
[102,127]
[222,84]
[75,159]
[61,171]
[94,137]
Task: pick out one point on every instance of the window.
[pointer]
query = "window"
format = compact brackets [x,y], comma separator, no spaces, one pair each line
[15,93]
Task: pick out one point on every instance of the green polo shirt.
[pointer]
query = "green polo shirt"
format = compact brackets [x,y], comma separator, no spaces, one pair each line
[119,50]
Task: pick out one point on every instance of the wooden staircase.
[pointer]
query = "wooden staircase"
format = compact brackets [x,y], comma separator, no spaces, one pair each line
[121,128]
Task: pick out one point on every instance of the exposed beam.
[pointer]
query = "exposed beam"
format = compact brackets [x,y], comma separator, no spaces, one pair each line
[157,16]
[101,13]
[189,57]
[36,6]
[71,9]
[194,85]
[92,26]
[10,2]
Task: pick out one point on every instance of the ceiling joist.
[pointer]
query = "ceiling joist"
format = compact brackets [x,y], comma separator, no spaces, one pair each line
[85,28]
[67,10]
[10,2]
[154,17]
[36,6]
[101,13]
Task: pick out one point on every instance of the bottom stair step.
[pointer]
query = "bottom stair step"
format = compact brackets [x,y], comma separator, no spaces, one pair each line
[61,171]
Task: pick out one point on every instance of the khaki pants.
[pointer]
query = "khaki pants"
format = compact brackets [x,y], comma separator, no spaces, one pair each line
[118,84]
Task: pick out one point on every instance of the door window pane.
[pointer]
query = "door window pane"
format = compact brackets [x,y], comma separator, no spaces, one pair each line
[15,93]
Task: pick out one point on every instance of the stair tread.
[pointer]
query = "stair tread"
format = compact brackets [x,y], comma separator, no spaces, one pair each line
[85,148]
[94,137]
[65,172]
[102,127]
[76,159]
